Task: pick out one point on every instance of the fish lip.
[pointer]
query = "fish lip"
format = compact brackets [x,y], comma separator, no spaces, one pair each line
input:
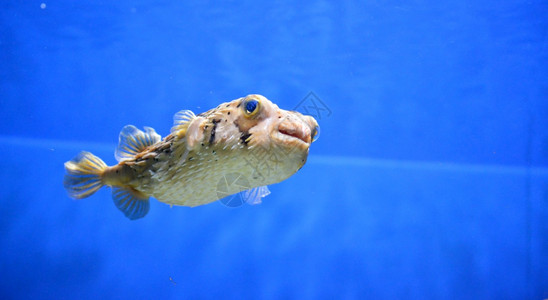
[293,133]
[292,138]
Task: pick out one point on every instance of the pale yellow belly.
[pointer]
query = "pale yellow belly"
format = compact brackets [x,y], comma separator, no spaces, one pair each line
[206,178]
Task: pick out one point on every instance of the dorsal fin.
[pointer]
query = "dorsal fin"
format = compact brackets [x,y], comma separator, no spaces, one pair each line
[181,120]
[133,141]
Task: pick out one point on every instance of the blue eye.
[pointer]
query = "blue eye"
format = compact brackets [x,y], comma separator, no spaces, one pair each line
[251,106]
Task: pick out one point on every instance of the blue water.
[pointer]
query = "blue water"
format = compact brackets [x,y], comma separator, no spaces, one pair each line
[429,179]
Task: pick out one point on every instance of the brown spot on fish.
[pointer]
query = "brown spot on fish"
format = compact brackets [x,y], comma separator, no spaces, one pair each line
[244,137]
[213,130]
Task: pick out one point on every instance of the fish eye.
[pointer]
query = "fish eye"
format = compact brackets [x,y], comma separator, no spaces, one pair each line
[251,107]
[315,133]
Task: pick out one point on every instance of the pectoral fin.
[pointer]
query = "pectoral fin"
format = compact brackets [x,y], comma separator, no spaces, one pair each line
[181,120]
[189,126]
[255,195]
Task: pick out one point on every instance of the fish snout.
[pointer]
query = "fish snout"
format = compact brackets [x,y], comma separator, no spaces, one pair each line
[298,126]
[314,127]
[295,130]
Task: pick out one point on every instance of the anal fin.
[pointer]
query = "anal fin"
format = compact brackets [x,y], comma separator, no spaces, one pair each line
[132,203]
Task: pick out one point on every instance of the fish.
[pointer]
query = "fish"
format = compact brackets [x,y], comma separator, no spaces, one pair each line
[239,147]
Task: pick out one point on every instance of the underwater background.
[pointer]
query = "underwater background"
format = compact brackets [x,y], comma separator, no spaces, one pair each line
[429,179]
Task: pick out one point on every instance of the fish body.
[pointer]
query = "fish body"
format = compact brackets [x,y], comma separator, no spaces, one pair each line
[238,147]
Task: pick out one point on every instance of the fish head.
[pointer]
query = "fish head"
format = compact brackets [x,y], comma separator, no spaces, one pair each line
[280,138]
[255,131]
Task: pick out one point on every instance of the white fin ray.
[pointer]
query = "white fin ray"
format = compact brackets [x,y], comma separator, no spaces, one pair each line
[133,141]
[181,120]
[253,196]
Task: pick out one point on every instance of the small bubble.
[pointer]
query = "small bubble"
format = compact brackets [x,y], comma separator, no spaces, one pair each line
[43,5]
[316,133]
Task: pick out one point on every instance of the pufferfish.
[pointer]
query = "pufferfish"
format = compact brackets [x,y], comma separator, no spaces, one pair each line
[249,140]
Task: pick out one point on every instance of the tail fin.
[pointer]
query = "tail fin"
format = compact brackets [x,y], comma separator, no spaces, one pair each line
[83,177]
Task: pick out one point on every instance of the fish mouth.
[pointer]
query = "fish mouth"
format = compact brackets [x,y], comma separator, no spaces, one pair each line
[294,133]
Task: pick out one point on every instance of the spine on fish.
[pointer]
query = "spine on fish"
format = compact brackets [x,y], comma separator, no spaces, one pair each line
[84,175]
